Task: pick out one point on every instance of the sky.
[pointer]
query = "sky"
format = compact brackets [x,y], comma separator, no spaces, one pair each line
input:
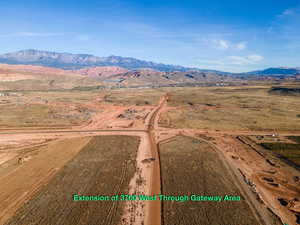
[227,35]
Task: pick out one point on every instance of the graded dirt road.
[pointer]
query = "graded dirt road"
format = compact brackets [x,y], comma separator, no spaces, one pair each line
[154,207]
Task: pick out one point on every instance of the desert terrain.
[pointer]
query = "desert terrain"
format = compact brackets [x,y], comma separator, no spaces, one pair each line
[150,112]
[233,140]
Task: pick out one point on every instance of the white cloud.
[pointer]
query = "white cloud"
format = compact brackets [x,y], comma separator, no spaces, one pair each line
[241,46]
[35,34]
[31,34]
[255,58]
[83,37]
[287,12]
[235,60]
[244,60]
[225,45]
[221,44]
[211,62]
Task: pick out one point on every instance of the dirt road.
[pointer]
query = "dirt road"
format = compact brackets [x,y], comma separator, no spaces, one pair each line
[154,207]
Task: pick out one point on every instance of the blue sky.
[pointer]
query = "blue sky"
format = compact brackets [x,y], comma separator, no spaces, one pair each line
[230,35]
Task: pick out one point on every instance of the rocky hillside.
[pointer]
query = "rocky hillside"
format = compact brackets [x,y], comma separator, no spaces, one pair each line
[101,72]
[157,78]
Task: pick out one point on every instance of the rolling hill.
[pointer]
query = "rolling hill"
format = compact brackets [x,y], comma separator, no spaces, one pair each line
[27,77]
[30,77]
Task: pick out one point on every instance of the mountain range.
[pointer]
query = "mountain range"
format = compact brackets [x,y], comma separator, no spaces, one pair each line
[69,61]
[77,61]
[43,70]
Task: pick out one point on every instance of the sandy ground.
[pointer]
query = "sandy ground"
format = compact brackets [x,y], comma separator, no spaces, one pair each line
[6,156]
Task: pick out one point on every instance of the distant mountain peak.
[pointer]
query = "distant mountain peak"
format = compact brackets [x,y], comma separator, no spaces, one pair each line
[277,71]
[77,61]
[72,61]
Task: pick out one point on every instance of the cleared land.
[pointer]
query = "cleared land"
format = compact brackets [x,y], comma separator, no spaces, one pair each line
[46,109]
[189,166]
[231,108]
[269,178]
[88,173]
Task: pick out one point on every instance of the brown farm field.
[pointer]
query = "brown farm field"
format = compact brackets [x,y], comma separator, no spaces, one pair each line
[231,108]
[88,173]
[190,166]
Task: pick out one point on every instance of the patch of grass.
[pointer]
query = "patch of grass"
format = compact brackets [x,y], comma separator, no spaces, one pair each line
[280,146]
[288,151]
[294,138]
